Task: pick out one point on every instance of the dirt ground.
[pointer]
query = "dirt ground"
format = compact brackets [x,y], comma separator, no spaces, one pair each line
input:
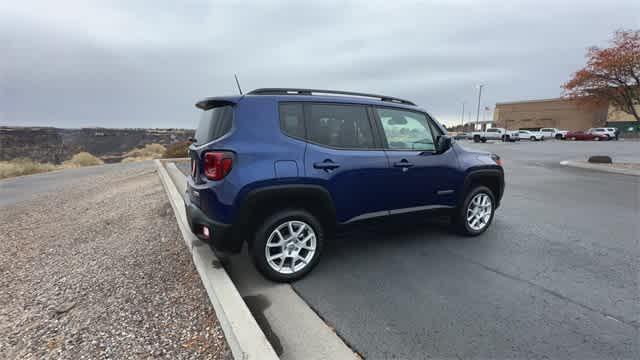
[99,270]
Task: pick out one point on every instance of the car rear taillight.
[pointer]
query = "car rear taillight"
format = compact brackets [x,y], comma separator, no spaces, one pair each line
[217,164]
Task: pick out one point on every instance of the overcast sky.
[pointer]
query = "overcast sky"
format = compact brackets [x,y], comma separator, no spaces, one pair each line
[145,63]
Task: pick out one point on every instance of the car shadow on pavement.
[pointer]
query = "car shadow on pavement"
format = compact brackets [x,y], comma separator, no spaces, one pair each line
[381,236]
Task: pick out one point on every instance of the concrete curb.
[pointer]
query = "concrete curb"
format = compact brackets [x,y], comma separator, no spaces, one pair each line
[245,338]
[601,168]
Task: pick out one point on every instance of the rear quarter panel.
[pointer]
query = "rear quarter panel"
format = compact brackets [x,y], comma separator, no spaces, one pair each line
[258,143]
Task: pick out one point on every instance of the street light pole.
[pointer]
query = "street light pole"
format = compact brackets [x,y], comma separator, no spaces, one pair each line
[462,129]
[478,110]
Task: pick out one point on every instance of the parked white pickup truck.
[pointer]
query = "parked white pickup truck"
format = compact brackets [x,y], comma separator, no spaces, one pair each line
[553,133]
[495,134]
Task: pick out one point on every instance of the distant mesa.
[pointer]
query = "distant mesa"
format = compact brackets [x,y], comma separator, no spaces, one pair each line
[55,145]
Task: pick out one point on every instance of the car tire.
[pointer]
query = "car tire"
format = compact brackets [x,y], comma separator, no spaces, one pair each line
[533,138]
[597,138]
[298,259]
[460,220]
[558,136]
[483,140]
[573,138]
[476,139]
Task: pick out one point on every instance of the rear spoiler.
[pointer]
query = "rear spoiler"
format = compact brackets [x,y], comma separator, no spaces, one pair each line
[213,102]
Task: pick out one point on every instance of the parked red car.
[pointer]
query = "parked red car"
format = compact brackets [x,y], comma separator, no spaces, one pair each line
[585,135]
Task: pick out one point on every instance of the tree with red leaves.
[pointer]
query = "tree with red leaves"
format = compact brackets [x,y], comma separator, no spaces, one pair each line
[612,75]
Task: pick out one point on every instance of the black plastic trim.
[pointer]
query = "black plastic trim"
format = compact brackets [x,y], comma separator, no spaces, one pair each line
[221,234]
[489,170]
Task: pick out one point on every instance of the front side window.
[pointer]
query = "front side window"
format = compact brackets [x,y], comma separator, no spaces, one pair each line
[406,130]
[339,126]
[492,130]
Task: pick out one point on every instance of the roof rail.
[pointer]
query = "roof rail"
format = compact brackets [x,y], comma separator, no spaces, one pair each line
[295,91]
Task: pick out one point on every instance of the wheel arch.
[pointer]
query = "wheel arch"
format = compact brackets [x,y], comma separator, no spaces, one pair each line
[491,177]
[258,203]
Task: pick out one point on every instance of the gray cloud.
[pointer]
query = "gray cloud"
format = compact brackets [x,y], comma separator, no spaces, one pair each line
[145,63]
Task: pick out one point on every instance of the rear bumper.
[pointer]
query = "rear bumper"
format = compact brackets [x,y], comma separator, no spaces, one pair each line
[220,234]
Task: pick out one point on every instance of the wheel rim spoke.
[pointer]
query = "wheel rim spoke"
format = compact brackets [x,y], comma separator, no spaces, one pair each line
[287,255]
[479,211]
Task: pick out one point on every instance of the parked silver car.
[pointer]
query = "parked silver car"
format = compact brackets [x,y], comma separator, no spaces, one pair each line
[609,133]
[531,135]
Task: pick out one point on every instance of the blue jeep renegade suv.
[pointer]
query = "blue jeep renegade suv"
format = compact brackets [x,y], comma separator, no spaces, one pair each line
[281,169]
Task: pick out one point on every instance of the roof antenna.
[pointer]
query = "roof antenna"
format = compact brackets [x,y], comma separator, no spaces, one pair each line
[238,83]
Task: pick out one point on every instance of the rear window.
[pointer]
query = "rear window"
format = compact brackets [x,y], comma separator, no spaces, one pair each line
[492,130]
[214,123]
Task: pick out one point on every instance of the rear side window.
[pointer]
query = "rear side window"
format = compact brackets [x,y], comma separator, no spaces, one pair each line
[214,123]
[340,126]
[292,119]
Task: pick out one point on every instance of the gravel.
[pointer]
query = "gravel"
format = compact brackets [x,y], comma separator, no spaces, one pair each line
[100,270]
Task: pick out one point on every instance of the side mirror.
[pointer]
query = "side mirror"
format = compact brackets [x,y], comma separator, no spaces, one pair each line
[443,143]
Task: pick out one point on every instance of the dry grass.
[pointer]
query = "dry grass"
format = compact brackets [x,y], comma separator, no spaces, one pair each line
[177,150]
[82,159]
[148,152]
[23,166]
[26,166]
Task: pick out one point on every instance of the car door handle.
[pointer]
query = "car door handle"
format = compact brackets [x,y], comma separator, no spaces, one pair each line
[326,165]
[402,164]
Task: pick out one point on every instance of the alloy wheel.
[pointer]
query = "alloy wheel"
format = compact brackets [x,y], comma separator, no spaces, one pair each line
[479,211]
[290,247]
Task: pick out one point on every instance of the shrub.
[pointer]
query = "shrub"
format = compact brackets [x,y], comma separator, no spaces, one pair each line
[148,152]
[135,159]
[177,150]
[23,166]
[82,159]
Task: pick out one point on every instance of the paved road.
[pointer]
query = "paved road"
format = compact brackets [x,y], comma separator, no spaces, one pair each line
[14,190]
[557,275]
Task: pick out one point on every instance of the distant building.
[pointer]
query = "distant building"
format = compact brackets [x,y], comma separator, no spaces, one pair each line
[623,121]
[552,113]
[562,114]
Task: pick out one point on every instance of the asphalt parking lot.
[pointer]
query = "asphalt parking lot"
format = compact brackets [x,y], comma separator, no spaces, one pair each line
[556,276]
